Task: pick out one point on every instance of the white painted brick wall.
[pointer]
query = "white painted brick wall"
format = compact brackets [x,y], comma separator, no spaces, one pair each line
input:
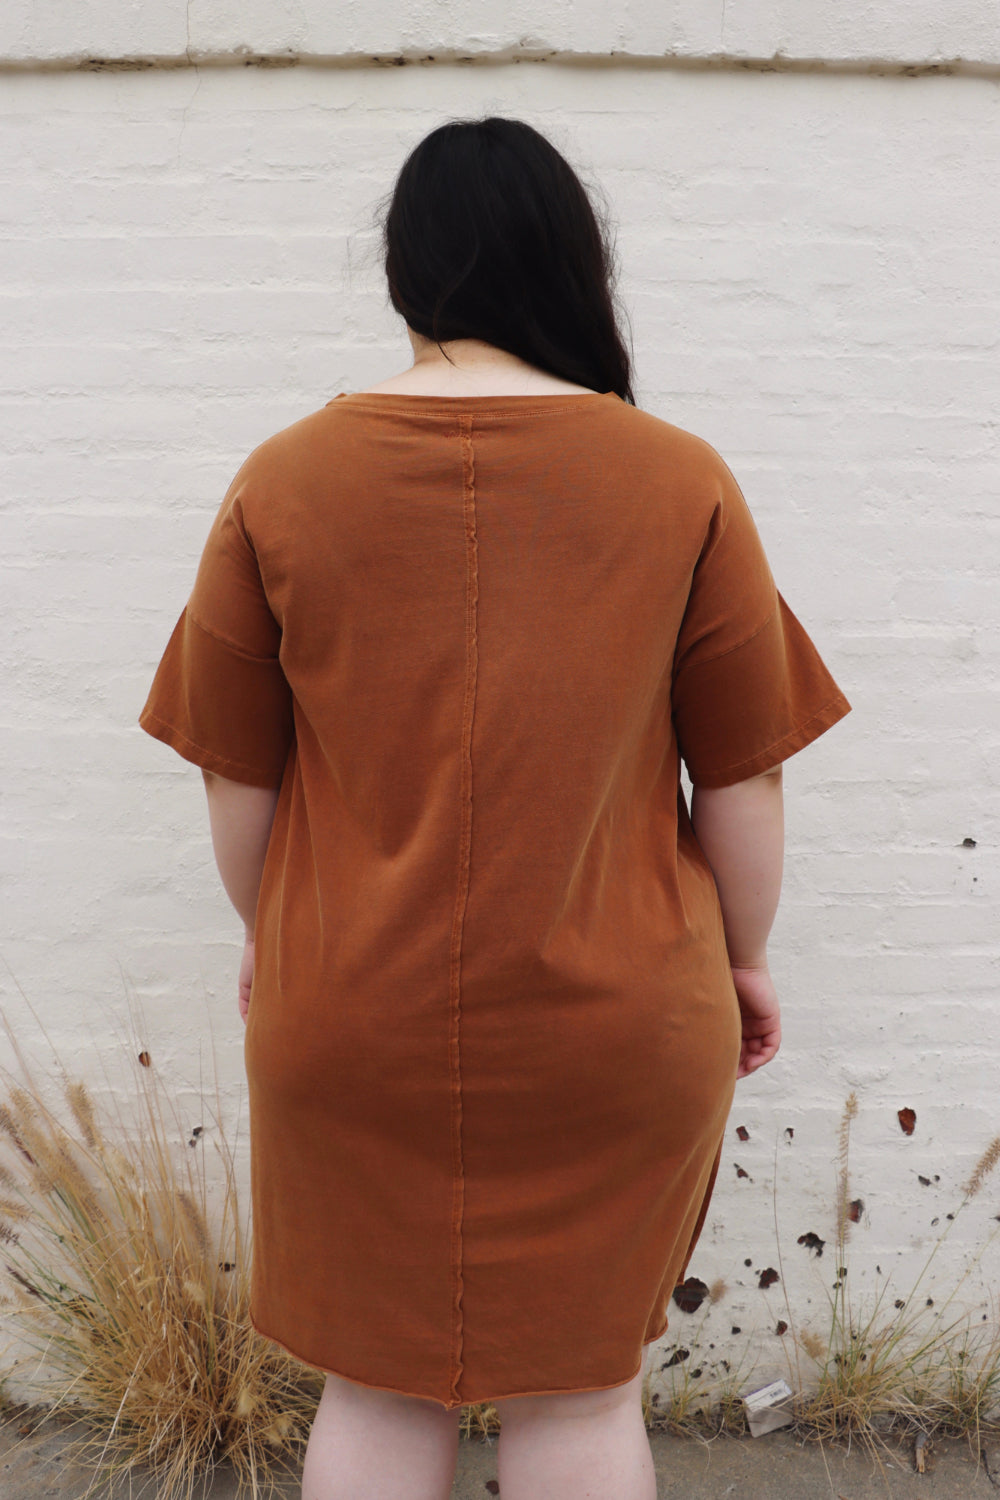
[187,264]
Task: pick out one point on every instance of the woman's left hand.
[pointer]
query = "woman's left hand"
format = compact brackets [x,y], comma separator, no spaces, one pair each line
[246,978]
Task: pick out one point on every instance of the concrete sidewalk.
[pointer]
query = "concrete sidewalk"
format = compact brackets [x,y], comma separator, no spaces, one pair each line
[778,1466]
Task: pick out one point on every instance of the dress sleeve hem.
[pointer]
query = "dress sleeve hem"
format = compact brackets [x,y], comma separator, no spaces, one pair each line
[772,755]
[208,760]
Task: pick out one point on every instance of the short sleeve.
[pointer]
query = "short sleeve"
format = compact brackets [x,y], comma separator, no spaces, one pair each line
[220,697]
[749,687]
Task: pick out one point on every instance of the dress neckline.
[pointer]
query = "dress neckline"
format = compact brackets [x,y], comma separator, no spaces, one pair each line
[553,400]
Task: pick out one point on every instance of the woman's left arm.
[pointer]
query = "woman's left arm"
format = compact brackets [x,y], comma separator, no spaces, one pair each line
[241,817]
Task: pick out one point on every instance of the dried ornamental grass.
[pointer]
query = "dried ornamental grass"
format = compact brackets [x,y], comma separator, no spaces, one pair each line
[137,1303]
[899,1367]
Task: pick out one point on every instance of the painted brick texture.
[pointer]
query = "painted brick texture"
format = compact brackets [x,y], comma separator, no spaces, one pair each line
[188,263]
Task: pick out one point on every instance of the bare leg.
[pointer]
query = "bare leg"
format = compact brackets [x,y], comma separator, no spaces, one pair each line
[367,1445]
[578,1445]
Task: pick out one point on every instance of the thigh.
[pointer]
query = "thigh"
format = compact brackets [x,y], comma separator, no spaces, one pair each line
[572,1403]
[341,1392]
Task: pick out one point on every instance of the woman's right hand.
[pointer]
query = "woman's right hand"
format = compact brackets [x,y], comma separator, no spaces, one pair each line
[761,1017]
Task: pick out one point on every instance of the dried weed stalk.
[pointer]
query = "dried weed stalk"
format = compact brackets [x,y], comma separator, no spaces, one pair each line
[899,1367]
[136,1297]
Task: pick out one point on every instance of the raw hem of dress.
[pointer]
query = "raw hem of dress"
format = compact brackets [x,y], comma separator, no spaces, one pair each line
[477,1401]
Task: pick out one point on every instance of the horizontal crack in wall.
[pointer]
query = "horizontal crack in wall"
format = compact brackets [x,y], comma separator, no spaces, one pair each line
[779,63]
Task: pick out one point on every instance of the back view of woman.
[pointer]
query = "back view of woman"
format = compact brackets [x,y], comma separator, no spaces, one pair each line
[449,643]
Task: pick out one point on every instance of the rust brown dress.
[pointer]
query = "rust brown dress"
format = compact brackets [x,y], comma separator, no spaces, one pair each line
[493,1036]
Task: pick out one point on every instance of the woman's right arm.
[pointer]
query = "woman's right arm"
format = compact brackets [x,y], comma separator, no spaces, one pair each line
[741,829]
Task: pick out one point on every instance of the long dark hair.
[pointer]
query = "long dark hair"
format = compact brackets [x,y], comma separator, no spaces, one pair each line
[489,234]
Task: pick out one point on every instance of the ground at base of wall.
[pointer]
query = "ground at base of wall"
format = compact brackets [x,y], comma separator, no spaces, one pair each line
[778,1466]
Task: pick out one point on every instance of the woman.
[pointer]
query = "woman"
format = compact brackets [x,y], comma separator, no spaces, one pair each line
[449,642]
